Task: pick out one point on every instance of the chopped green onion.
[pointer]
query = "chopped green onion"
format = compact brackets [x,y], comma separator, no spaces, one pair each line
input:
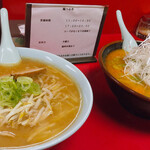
[11,91]
[35,89]
[25,82]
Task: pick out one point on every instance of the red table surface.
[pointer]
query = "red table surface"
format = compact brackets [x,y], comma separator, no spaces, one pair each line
[109,126]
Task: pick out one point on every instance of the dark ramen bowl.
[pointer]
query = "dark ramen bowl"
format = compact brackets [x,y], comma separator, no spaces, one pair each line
[134,102]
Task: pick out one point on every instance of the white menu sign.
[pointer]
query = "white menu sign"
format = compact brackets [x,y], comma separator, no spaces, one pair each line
[70,31]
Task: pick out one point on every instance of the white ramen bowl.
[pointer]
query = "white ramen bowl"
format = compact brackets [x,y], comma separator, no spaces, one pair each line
[84,87]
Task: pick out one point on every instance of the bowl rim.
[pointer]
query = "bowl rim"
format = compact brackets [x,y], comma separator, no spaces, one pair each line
[83,115]
[100,58]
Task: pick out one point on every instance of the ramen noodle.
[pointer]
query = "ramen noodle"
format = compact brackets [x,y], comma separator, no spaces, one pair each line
[35,108]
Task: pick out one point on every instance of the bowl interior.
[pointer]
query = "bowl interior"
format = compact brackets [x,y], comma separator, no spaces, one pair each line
[108,48]
[78,77]
[102,56]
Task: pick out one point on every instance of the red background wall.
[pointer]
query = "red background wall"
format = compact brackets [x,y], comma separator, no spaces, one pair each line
[132,10]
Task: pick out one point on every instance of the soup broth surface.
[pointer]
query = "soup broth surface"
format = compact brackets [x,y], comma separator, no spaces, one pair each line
[65,105]
[115,65]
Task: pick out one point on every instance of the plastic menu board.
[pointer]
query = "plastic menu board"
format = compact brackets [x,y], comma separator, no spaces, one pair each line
[70,31]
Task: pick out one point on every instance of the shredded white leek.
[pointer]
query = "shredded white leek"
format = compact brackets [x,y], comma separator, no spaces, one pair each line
[138,61]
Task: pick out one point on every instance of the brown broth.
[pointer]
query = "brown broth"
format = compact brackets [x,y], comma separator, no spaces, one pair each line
[62,121]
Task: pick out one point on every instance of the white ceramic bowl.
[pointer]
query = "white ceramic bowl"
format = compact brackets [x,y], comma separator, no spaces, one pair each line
[81,81]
